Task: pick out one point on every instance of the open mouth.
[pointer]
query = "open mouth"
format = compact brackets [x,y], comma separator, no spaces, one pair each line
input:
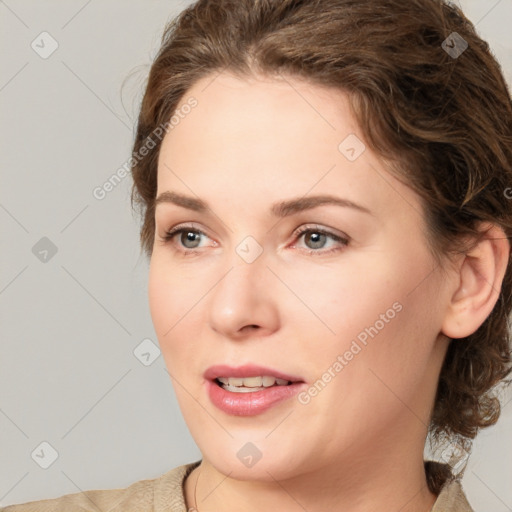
[249,389]
[250,384]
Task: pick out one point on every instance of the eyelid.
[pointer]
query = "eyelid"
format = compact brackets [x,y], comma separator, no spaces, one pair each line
[182,227]
[320,229]
[340,238]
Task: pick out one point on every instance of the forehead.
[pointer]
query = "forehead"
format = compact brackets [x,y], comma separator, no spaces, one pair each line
[262,121]
[273,137]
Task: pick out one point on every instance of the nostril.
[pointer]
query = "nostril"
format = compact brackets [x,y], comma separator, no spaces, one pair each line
[251,327]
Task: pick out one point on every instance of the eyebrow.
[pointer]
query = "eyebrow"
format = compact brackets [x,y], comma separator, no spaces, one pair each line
[280,209]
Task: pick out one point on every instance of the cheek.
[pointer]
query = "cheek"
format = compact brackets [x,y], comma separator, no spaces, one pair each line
[373,315]
[340,302]
[385,364]
[161,301]
[171,294]
[175,308]
[167,299]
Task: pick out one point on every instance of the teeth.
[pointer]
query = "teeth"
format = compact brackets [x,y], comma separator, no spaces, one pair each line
[268,381]
[250,383]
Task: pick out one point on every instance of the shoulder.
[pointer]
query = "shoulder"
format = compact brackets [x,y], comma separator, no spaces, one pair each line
[452,498]
[151,495]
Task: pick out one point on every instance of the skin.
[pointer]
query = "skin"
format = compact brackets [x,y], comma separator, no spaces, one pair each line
[358,444]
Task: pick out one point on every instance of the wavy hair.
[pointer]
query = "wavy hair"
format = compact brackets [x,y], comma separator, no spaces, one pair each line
[441,119]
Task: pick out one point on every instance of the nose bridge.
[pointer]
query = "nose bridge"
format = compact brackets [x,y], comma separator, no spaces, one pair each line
[246,264]
[243,296]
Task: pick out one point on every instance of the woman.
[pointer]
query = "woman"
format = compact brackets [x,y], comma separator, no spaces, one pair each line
[324,195]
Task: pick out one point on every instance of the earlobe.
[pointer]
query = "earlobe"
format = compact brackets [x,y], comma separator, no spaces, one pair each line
[480,278]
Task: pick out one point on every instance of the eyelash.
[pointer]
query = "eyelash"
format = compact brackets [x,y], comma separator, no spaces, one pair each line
[172,233]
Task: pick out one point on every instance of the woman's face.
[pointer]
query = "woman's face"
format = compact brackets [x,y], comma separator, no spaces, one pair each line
[343,298]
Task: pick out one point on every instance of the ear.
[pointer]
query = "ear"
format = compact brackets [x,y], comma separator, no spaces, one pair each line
[479,283]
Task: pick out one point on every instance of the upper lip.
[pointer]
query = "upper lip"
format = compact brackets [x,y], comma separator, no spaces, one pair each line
[247,370]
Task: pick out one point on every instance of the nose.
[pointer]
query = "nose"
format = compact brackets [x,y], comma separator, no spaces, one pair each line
[243,304]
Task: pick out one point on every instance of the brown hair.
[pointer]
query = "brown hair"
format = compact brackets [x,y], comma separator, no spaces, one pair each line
[442,121]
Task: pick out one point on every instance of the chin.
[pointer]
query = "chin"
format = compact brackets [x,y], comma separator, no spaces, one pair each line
[263,460]
[262,471]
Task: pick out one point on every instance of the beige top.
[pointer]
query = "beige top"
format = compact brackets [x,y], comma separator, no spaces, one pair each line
[166,494]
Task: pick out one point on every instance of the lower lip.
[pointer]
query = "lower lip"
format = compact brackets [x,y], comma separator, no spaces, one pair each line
[251,403]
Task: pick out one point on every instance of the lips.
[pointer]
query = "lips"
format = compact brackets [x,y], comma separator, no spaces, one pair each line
[248,370]
[226,388]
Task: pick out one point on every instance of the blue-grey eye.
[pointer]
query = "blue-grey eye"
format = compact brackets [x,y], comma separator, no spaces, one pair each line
[190,236]
[318,239]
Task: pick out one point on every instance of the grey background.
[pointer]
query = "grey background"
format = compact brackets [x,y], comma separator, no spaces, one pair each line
[70,325]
